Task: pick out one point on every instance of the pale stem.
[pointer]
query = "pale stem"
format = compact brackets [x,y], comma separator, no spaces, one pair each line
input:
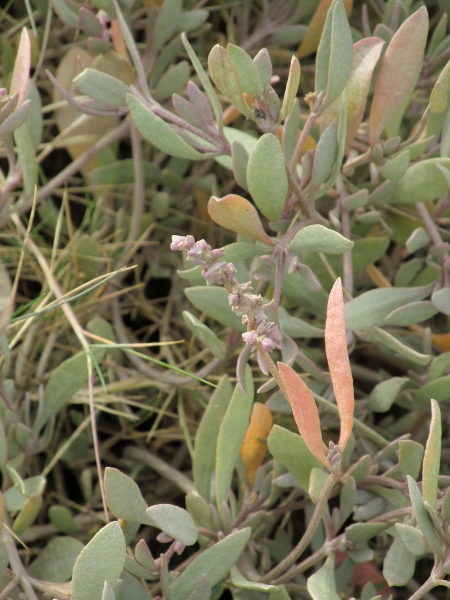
[305,131]
[304,542]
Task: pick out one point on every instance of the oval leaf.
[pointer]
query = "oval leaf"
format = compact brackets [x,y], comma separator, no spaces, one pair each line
[175,522]
[101,560]
[338,361]
[124,497]
[398,72]
[237,214]
[247,71]
[305,412]
[266,176]
[317,238]
[103,87]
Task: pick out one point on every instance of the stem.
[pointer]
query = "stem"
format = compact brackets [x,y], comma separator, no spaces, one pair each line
[304,542]
[430,583]
[278,280]
[16,565]
[272,368]
[305,131]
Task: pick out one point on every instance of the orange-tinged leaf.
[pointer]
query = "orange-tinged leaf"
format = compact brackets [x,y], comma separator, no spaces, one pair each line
[441,341]
[118,41]
[231,113]
[237,214]
[366,53]
[254,446]
[338,361]
[310,142]
[21,72]
[305,412]
[310,42]
[399,70]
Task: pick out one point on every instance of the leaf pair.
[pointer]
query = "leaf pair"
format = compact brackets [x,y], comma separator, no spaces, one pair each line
[301,398]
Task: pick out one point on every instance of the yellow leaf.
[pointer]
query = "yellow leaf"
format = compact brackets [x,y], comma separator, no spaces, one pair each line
[254,446]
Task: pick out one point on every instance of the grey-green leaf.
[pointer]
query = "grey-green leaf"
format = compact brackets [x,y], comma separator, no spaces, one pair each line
[213,301]
[103,87]
[432,457]
[266,176]
[334,55]
[322,584]
[56,561]
[384,394]
[231,435]
[317,238]
[124,497]
[370,308]
[204,334]
[399,564]
[412,538]
[291,451]
[102,559]
[214,563]
[158,132]
[247,71]
[324,157]
[423,518]
[206,438]
[174,521]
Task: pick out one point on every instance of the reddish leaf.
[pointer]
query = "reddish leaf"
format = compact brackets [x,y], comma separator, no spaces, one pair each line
[238,214]
[305,412]
[338,361]
[399,70]
[21,72]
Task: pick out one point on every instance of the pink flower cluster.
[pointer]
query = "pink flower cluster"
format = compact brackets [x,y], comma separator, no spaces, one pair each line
[250,306]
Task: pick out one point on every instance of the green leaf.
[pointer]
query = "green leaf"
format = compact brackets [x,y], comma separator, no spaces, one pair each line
[28,514]
[62,519]
[412,538]
[173,80]
[64,382]
[202,590]
[395,168]
[423,518]
[398,73]
[122,171]
[225,75]
[441,300]
[381,337]
[231,435]
[399,564]
[247,71]
[124,497]
[322,583]
[384,394]
[102,559]
[56,561]
[422,181]
[175,522]
[103,87]
[204,334]
[108,592]
[296,327]
[214,563]
[291,90]
[324,157]
[413,313]
[290,450]
[239,157]
[439,93]
[370,308]
[199,510]
[204,458]
[317,238]
[334,55]
[347,499]
[266,176]
[213,301]
[437,389]
[363,532]
[158,132]
[167,21]
[27,159]
[239,581]
[242,251]
[432,458]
